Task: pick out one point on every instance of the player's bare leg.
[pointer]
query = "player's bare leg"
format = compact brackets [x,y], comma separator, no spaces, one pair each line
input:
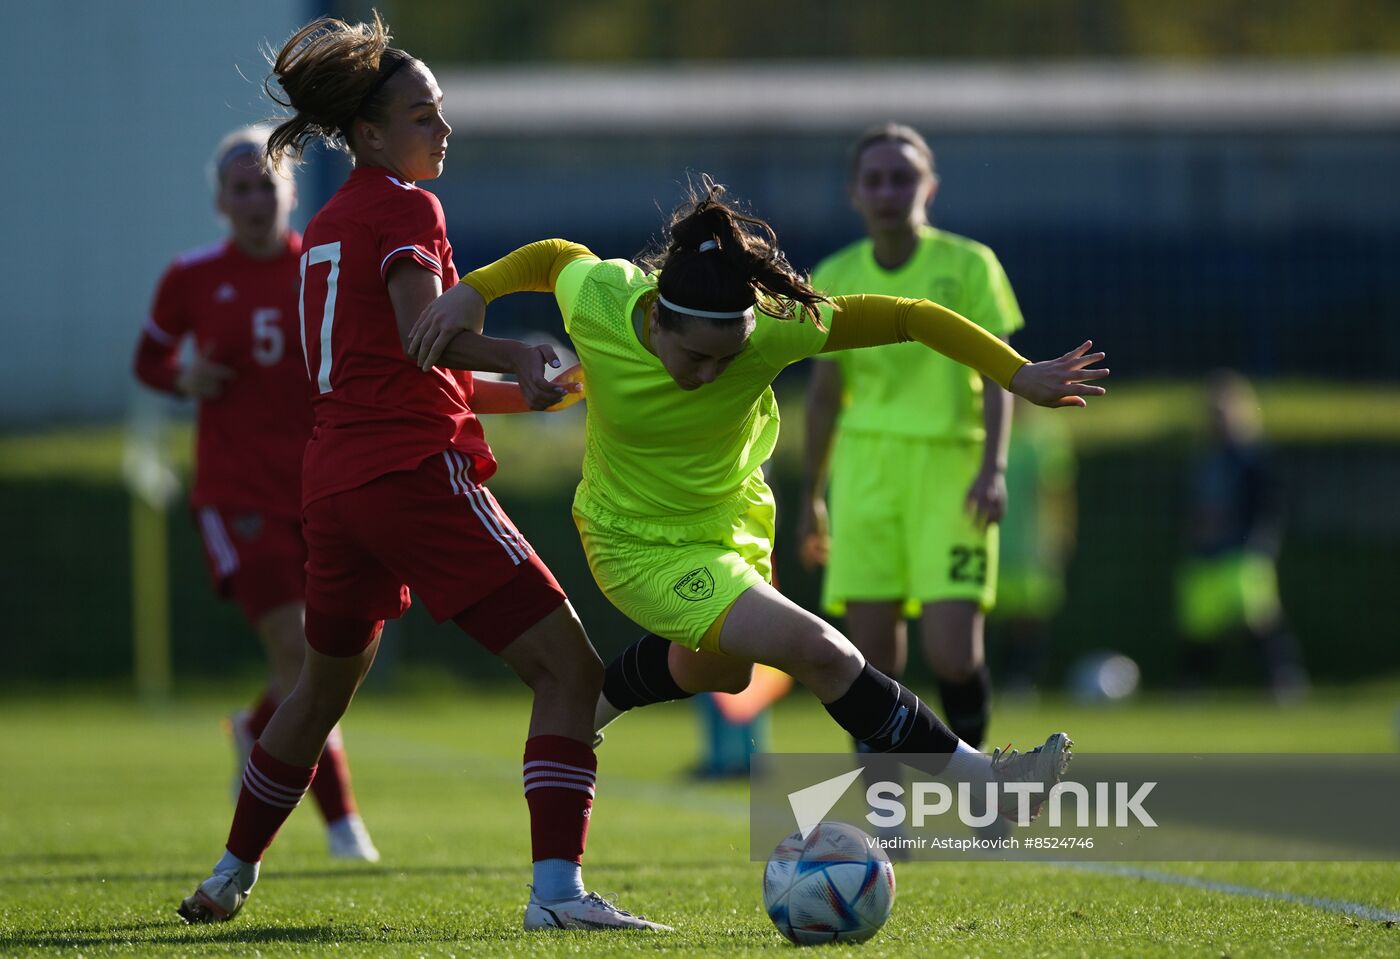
[952,634]
[283,764]
[878,629]
[555,659]
[766,627]
[283,634]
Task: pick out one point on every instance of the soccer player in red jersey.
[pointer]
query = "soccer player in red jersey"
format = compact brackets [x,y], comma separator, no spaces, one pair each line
[237,300]
[393,493]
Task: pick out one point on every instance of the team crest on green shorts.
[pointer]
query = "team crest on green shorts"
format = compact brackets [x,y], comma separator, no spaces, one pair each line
[696,585]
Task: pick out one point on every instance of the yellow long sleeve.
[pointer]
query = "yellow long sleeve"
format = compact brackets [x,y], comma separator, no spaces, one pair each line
[871,320]
[534,267]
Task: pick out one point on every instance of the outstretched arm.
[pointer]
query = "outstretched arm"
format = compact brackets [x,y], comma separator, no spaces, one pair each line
[871,320]
[534,267]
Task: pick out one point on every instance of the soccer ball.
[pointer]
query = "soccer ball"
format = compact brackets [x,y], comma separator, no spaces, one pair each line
[833,886]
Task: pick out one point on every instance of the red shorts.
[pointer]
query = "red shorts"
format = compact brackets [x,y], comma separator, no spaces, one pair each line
[433,530]
[256,560]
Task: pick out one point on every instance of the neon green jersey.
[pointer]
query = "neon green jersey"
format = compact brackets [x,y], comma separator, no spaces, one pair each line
[882,385]
[653,449]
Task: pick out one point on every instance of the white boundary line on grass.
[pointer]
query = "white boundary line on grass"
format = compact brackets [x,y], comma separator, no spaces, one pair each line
[1356,910]
[433,755]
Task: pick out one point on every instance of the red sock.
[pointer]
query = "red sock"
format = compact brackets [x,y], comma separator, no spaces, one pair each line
[559,782]
[271,790]
[262,712]
[331,787]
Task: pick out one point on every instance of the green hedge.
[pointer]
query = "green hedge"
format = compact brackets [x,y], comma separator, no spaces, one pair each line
[65,596]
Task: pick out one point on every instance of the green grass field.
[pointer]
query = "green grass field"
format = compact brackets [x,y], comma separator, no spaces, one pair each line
[110,812]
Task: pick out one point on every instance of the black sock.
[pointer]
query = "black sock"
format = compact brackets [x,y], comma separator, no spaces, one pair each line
[884,717]
[968,706]
[641,676]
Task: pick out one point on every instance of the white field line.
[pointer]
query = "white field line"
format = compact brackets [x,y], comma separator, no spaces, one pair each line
[1356,910]
[700,800]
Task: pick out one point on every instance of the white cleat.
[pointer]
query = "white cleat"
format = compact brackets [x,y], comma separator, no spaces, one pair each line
[348,838]
[589,912]
[1044,764]
[217,899]
[242,747]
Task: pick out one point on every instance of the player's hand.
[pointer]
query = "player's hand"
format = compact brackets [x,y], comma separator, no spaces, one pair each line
[813,541]
[203,379]
[986,498]
[1061,382]
[460,308]
[528,363]
[571,382]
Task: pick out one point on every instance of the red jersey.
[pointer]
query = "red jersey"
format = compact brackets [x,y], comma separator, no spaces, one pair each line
[242,313]
[376,411]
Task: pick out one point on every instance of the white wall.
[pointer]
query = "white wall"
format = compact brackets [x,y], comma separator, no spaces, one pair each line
[111,110]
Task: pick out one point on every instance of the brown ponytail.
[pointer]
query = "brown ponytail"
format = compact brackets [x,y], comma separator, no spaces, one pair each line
[746,267]
[331,73]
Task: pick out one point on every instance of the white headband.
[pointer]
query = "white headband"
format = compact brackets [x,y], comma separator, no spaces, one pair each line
[707,314]
[707,246]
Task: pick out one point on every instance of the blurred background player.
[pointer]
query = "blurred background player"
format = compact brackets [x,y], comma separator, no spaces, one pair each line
[673,512]
[236,301]
[918,468]
[392,486]
[734,726]
[1229,583]
[1037,536]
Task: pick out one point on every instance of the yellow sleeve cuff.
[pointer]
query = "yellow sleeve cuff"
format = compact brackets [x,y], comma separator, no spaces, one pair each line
[534,267]
[869,320]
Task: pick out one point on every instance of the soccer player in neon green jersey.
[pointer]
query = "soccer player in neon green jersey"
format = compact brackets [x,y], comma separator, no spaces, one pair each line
[915,500]
[678,356]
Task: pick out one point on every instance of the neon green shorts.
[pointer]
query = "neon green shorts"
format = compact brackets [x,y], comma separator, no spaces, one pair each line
[1225,592]
[675,578]
[898,528]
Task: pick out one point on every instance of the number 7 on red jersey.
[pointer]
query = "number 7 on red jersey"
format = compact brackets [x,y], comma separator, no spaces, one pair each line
[325,253]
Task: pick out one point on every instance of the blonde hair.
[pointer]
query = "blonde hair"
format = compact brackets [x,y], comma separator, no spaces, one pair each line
[890,133]
[245,141]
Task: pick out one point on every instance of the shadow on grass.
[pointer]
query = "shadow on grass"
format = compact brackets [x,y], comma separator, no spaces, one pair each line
[330,874]
[355,873]
[174,932]
[41,858]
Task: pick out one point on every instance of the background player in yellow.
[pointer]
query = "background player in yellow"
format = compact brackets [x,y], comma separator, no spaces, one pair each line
[675,517]
[1228,583]
[915,499]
